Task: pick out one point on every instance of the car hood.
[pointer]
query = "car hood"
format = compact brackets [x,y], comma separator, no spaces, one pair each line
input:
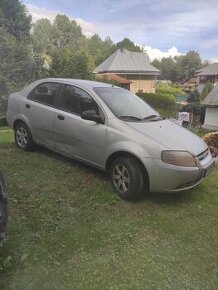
[171,135]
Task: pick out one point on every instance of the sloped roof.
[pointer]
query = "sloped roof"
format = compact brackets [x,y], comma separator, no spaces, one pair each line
[200,88]
[209,70]
[212,97]
[127,62]
[113,77]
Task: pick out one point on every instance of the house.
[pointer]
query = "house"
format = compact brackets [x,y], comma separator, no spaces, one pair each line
[190,84]
[134,67]
[208,74]
[211,115]
[123,82]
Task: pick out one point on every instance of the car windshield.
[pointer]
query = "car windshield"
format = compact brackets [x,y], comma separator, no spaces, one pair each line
[125,105]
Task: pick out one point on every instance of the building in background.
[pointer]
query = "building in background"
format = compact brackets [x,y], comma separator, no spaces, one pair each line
[190,84]
[134,68]
[211,114]
[208,74]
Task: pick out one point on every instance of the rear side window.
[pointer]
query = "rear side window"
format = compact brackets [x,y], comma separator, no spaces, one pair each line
[76,101]
[45,93]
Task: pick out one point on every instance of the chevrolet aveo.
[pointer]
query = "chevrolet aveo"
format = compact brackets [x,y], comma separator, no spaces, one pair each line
[112,129]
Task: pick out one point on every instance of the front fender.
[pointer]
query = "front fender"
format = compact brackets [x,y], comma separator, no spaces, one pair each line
[128,147]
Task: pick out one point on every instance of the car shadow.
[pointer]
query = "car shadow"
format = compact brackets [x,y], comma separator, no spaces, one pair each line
[153,197]
[86,168]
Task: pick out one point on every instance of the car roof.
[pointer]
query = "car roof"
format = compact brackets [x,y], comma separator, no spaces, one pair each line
[85,83]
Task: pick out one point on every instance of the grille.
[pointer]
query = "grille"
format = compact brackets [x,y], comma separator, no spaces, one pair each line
[203,155]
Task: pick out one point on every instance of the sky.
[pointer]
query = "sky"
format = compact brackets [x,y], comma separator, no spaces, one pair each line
[163,27]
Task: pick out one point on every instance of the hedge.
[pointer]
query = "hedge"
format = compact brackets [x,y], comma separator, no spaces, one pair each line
[3,121]
[165,101]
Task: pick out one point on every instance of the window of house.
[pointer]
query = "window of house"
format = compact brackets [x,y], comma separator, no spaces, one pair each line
[76,101]
[45,93]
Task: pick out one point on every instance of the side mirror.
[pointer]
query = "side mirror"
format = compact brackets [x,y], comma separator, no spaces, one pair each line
[92,116]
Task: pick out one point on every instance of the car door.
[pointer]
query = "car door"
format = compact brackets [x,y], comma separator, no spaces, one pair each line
[39,109]
[75,136]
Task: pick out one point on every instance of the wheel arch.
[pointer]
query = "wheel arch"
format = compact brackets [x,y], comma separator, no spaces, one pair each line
[17,121]
[117,154]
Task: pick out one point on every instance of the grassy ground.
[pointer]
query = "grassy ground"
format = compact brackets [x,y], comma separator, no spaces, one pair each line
[67,230]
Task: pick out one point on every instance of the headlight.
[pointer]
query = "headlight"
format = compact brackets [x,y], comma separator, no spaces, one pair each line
[179,158]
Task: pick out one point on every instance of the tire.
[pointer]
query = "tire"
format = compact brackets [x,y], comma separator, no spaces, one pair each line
[3,208]
[126,177]
[23,137]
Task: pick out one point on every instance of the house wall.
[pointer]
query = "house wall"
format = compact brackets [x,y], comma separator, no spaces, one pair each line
[207,79]
[211,117]
[144,83]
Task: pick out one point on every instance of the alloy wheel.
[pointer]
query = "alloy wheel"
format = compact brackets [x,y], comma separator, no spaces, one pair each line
[121,178]
[22,137]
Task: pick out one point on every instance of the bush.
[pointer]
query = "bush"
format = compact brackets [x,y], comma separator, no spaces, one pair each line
[3,121]
[207,89]
[194,108]
[164,101]
[171,90]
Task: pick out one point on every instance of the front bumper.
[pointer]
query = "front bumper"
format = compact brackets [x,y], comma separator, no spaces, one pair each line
[165,177]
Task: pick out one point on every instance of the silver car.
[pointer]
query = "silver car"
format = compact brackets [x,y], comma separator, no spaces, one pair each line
[112,129]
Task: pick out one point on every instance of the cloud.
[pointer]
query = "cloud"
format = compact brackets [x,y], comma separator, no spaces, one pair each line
[211,43]
[37,13]
[156,53]
[168,27]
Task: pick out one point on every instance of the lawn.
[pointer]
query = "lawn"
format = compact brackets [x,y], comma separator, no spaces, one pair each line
[68,230]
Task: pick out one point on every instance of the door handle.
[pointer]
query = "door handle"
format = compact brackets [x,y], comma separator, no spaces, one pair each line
[27,106]
[60,117]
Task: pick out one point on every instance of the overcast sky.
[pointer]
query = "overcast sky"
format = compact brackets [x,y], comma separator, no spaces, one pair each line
[164,27]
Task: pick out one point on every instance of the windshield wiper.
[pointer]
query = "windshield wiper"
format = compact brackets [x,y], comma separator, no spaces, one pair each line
[154,118]
[131,118]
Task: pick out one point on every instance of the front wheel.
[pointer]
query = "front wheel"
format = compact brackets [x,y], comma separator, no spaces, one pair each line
[23,137]
[127,178]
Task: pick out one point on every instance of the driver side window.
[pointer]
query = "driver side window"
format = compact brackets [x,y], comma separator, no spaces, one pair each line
[75,100]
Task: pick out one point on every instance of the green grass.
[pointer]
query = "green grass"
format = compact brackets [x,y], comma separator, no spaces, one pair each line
[200,131]
[68,230]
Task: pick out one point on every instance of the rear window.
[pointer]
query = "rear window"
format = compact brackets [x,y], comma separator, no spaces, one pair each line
[45,93]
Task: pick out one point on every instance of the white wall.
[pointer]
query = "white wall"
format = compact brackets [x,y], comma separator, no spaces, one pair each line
[211,117]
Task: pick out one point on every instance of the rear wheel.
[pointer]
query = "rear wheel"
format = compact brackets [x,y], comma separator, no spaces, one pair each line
[23,137]
[127,178]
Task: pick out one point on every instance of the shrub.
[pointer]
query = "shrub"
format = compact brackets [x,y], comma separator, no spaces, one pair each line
[169,89]
[3,121]
[164,101]
[207,89]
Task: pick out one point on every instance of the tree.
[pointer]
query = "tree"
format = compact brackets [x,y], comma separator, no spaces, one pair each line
[168,68]
[186,65]
[128,44]
[99,49]
[194,97]
[156,63]
[15,51]
[67,63]
[16,20]
[42,36]
[65,32]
